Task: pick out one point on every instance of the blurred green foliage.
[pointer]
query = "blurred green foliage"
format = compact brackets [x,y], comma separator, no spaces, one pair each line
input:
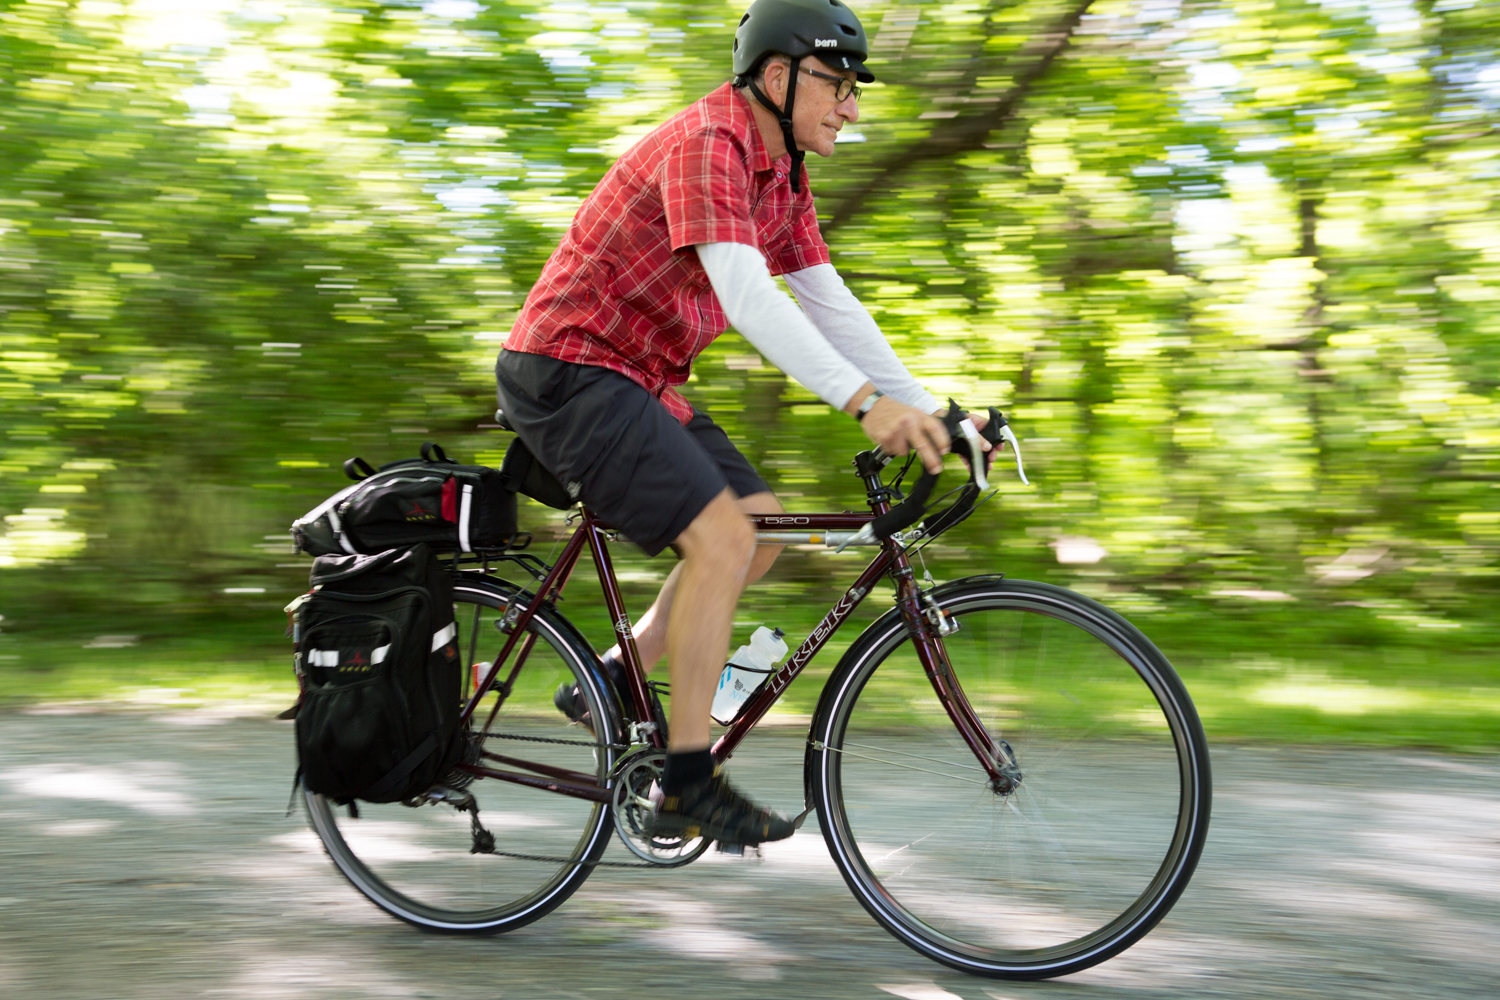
[1231,266]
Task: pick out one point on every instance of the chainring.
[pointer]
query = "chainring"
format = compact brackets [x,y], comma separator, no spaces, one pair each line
[634,778]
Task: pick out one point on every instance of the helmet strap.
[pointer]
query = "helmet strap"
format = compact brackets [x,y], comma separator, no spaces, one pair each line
[784,119]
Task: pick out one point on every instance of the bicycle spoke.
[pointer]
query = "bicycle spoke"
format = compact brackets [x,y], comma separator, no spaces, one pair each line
[937,760]
[893,763]
[468,664]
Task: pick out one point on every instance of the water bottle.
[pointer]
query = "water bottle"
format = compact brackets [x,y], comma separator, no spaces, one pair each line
[745,672]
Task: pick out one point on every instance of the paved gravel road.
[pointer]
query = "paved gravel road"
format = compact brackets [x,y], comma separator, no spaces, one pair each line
[147,856]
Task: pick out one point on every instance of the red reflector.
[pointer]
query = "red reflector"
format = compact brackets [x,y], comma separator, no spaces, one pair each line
[450,500]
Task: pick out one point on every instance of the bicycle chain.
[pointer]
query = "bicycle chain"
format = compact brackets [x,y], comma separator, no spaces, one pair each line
[550,739]
[581,864]
[565,861]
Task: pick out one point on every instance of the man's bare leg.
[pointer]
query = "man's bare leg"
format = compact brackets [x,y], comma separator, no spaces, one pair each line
[717,549]
[651,629]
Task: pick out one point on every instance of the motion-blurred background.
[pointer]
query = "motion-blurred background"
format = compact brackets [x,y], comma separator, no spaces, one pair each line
[1231,267]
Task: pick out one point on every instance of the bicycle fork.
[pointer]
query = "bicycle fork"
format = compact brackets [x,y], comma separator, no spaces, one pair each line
[928,626]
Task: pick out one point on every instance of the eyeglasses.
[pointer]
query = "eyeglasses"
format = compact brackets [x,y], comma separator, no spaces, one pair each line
[842,91]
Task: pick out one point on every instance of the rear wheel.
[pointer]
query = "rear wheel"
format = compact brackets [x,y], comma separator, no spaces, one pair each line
[1102,816]
[415,862]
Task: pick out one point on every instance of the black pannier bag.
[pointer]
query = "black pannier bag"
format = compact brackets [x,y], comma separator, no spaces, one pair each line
[378,665]
[431,500]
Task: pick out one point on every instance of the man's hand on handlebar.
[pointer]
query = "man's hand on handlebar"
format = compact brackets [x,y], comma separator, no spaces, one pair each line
[898,428]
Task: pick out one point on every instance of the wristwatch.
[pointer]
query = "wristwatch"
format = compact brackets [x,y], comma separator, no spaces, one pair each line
[867,405]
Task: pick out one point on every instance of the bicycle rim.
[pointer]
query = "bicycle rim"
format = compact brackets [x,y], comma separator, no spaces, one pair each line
[1091,847]
[416,862]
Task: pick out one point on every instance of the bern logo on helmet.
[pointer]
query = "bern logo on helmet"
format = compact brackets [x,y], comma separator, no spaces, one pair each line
[846,62]
[825,43]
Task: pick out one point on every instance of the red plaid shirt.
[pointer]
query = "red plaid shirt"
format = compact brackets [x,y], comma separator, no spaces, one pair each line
[625,290]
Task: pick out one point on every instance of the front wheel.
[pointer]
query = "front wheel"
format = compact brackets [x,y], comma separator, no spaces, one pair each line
[1098,825]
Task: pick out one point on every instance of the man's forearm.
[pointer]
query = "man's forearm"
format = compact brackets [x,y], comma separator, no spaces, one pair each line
[773,324]
[852,331]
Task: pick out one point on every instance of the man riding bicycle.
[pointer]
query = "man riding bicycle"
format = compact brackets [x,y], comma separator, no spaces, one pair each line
[678,241]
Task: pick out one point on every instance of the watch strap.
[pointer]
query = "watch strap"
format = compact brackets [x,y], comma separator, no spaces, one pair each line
[867,405]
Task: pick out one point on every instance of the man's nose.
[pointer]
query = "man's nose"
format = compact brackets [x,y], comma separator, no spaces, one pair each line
[849,109]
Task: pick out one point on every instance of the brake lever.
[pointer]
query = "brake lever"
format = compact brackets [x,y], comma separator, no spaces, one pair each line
[997,431]
[1010,437]
[977,459]
[972,445]
[957,422]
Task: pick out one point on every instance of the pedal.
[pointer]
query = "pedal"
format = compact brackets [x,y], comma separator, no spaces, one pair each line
[739,851]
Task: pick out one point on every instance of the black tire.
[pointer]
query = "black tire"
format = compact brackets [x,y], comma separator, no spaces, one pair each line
[414,862]
[1088,851]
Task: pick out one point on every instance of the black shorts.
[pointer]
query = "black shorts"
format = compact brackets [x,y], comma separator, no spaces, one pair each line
[616,448]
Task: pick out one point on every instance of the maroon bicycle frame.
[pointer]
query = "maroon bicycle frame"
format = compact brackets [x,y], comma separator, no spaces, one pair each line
[594,534]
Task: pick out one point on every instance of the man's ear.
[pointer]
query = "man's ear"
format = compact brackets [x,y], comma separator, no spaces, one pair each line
[775,80]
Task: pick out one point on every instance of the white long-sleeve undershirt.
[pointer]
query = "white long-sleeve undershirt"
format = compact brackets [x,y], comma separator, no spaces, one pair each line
[852,331]
[832,349]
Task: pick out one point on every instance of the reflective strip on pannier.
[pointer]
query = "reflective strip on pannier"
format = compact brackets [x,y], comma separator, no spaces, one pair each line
[441,637]
[466,507]
[330,657]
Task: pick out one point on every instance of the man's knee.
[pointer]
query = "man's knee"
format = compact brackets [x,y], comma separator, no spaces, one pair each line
[764,502]
[761,503]
[720,534]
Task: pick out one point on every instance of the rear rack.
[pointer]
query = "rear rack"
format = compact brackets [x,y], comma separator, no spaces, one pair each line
[533,566]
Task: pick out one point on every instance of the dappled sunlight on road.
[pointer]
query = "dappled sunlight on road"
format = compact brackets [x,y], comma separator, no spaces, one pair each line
[710,933]
[134,787]
[302,974]
[917,991]
[79,828]
[1323,876]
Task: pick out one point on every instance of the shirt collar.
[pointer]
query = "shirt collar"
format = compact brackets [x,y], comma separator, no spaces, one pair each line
[742,116]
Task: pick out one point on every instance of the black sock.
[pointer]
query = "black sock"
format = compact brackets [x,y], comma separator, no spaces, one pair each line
[684,769]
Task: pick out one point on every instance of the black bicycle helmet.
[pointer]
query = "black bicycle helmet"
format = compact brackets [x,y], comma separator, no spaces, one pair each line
[797,28]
